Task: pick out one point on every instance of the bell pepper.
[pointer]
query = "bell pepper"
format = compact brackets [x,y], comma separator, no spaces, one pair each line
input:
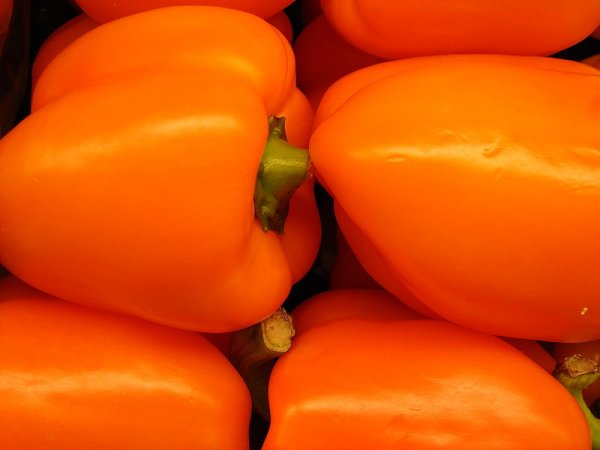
[131,187]
[58,40]
[323,57]
[76,378]
[282,22]
[379,305]
[474,194]
[104,11]
[418,384]
[339,304]
[81,24]
[391,29]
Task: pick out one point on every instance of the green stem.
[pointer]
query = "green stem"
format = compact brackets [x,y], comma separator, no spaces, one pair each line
[283,168]
[254,351]
[576,373]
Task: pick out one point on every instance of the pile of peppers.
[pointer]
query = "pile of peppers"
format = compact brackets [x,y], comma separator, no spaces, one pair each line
[280,225]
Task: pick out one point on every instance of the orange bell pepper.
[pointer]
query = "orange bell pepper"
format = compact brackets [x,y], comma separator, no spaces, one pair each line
[379,305]
[282,22]
[131,185]
[81,24]
[395,29]
[77,378]
[418,384]
[58,40]
[323,57]
[104,11]
[474,194]
[339,304]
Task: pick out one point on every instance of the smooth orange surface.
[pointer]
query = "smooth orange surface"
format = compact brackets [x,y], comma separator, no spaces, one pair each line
[379,305]
[77,378]
[323,57]
[535,352]
[339,304]
[178,38]
[416,384]
[57,41]
[282,22]
[135,191]
[395,29]
[105,11]
[474,193]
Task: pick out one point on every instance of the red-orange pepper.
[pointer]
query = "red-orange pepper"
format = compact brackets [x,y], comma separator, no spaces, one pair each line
[104,11]
[76,378]
[395,29]
[322,57]
[379,305]
[131,186]
[475,192]
[58,40]
[418,384]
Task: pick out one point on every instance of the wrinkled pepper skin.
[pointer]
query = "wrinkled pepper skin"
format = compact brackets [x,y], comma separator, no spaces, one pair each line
[418,385]
[76,378]
[396,29]
[474,194]
[131,189]
[103,11]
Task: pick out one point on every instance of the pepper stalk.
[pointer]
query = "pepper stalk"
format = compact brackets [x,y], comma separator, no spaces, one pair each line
[576,373]
[254,351]
[283,168]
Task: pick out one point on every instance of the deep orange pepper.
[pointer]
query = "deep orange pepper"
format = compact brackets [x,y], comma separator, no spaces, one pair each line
[475,192]
[379,305]
[392,29]
[418,384]
[339,304]
[136,178]
[282,22]
[76,378]
[81,24]
[58,40]
[322,57]
[104,11]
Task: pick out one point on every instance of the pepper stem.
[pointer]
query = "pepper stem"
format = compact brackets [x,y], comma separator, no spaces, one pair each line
[576,373]
[283,168]
[254,351]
